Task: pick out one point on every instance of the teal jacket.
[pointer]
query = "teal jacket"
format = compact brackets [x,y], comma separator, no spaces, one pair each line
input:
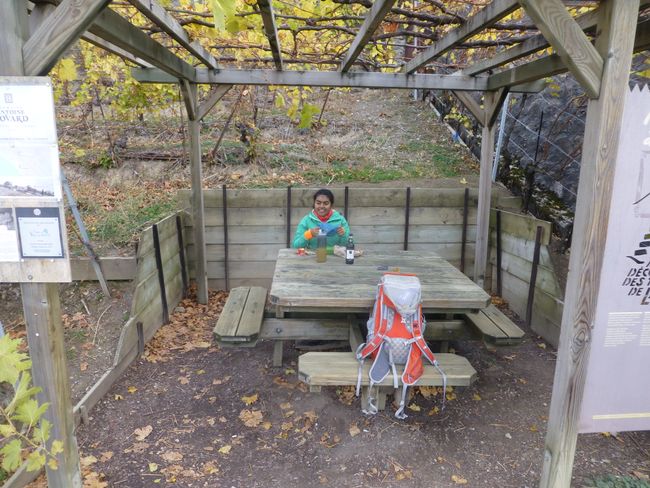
[310,221]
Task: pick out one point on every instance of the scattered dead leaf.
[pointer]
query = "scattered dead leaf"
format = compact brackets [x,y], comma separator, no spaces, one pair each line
[143,432]
[171,456]
[251,418]
[249,400]
[459,480]
[354,430]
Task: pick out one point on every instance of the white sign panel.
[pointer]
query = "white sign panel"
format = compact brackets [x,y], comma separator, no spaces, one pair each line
[27,113]
[617,389]
[33,241]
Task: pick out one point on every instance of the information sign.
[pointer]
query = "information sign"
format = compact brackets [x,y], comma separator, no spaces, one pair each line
[33,241]
[617,387]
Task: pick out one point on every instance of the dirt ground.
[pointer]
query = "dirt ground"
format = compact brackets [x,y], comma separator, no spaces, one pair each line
[192,414]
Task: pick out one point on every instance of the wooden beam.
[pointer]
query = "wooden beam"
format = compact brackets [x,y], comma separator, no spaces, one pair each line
[189,94]
[42,311]
[159,16]
[553,64]
[490,101]
[471,104]
[271,31]
[111,27]
[484,18]
[529,46]
[113,49]
[13,29]
[535,70]
[57,32]
[320,78]
[492,113]
[215,95]
[376,15]
[198,217]
[568,40]
[599,149]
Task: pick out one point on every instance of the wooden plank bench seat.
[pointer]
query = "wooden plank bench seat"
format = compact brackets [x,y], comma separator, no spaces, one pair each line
[495,327]
[242,315]
[319,369]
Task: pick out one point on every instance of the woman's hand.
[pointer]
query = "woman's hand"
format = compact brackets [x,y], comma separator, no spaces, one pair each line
[340,231]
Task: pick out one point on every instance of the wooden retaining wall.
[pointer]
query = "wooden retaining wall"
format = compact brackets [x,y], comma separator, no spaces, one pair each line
[151,305]
[257,225]
[517,249]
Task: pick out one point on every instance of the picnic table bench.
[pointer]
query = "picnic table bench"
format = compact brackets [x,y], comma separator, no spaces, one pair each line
[331,306]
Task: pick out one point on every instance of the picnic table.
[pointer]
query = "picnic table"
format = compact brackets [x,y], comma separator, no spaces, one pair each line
[300,284]
[328,301]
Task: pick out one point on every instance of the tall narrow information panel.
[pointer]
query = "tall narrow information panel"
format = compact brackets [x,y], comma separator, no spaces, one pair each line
[33,241]
[617,387]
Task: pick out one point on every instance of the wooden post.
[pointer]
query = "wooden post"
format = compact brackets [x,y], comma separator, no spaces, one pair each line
[41,304]
[484,192]
[599,150]
[42,311]
[201,274]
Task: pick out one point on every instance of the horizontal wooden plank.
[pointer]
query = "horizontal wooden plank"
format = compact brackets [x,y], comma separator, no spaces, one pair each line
[264,252]
[341,368]
[295,329]
[277,216]
[358,197]
[166,228]
[228,321]
[519,267]
[220,283]
[363,234]
[168,251]
[251,318]
[521,247]
[520,225]
[114,268]
[547,310]
[486,326]
[513,333]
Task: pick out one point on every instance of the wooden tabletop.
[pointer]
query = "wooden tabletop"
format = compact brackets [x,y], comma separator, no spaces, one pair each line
[299,282]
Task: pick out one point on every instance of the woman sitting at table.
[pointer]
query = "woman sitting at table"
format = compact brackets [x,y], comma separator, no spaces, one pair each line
[324,217]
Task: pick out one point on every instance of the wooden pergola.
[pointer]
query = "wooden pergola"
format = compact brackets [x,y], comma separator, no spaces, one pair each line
[596,47]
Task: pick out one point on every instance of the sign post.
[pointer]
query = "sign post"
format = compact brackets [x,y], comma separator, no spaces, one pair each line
[34,249]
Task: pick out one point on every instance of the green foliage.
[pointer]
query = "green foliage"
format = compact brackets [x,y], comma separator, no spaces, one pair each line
[121,224]
[21,436]
[611,481]
[307,115]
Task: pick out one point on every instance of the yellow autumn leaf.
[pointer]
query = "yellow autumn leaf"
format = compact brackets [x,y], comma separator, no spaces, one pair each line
[285,406]
[266,425]
[354,430]
[414,407]
[433,411]
[459,480]
[477,397]
[118,397]
[132,389]
[249,400]
[225,449]
[67,70]
[153,467]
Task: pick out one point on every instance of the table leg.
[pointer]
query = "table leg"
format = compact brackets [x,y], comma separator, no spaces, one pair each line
[277,353]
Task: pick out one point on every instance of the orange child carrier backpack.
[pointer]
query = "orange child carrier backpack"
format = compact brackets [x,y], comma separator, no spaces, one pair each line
[395,336]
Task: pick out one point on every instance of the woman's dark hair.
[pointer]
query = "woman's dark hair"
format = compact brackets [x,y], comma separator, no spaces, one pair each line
[326,193]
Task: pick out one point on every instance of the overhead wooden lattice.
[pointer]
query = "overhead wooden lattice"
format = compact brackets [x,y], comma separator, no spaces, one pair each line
[408,44]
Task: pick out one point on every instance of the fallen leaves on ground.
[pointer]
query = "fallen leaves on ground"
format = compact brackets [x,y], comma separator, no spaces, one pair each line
[346,394]
[251,418]
[354,430]
[171,456]
[143,432]
[189,328]
[225,449]
[249,400]
[459,480]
